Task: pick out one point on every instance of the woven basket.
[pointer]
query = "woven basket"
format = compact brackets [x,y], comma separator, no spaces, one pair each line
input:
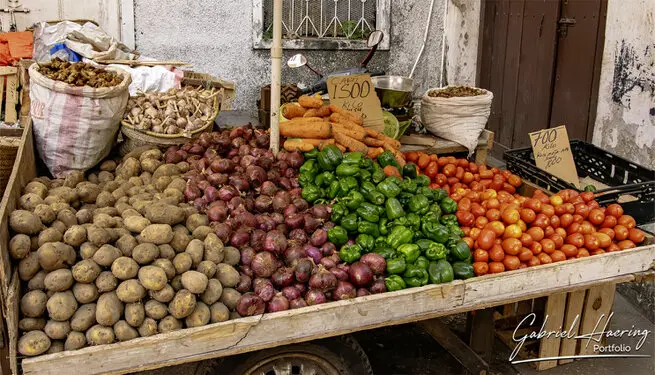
[8,149]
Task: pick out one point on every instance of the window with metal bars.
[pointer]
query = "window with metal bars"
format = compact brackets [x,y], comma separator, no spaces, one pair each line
[322,24]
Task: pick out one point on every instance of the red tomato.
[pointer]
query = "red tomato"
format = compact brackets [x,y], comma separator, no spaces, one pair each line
[608,231]
[486,239]
[561,232]
[558,256]
[464,204]
[604,241]
[536,233]
[575,239]
[514,180]
[412,156]
[525,255]
[609,222]
[449,170]
[533,204]
[626,244]
[478,210]
[497,254]
[587,228]
[627,221]
[423,161]
[587,196]
[545,258]
[569,251]
[480,268]
[591,242]
[496,267]
[481,222]
[636,235]
[534,261]
[511,262]
[536,248]
[480,255]
[557,239]
[582,210]
[512,231]
[511,216]
[497,227]
[565,220]
[615,210]
[465,218]
[541,221]
[526,240]
[596,217]
[554,221]
[582,253]
[528,215]
[493,203]
[547,245]
[512,246]
[468,178]
[432,169]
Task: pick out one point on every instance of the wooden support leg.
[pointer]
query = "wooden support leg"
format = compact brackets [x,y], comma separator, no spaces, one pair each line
[481,332]
[455,346]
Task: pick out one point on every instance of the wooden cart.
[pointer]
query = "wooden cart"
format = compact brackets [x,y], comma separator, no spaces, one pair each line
[423,304]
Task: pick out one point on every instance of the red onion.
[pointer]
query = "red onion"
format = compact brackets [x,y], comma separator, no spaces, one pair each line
[246,219]
[246,270]
[268,188]
[328,262]
[299,236]
[281,200]
[293,253]
[339,273]
[244,150]
[247,161]
[256,175]
[245,283]
[275,242]
[311,223]
[237,142]
[263,203]
[217,179]
[344,290]
[285,183]
[250,304]
[295,159]
[223,231]
[304,270]
[263,288]
[263,264]
[297,303]
[295,221]
[226,193]
[360,274]
[217,213]
[328,225]
[239,238]
[378,286]
[278,303]
[315,297]
[239,182]
[291,293]
[249,204]
[295,192]
[277,217]
[323,280]
[200,203]
[172,158]
[290,174]
[235,203]
[343,266]
[282,165]
[294,182]
[290,210]
[247,253]
[315,254]
[320,212]
[265,223]
[282,228]
[196,150]
[237,132]
[273,176]
[300,204]
[203,184]
[375,262]
[211,194]
[186,146]
[257,239]
[282,277]
[191,191]
[328,249]
[361,292]
[318,238]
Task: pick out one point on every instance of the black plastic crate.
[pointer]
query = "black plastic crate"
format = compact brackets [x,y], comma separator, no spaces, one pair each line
[623,176]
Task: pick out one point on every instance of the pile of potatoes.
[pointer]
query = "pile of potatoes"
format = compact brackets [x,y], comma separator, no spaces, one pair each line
[115,256]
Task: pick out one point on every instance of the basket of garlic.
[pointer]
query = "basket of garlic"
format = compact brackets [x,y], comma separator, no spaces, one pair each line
[169,118]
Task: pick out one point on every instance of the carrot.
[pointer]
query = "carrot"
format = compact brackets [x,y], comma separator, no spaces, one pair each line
[310,101]
[293,110]
[320,143]
[340,147]
[373,152]
[390,170]
[341,119]
[350,143]
[298,129]
[369,141]
[400,158]
[308,119]
[352,116]
[393,142]
[356,132]
[297,145]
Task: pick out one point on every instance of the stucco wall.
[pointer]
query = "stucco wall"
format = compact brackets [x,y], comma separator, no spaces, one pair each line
[625,122]
[215,36]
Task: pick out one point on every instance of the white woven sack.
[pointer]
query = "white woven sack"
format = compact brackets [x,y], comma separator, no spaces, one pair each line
[75,127]
[458,119]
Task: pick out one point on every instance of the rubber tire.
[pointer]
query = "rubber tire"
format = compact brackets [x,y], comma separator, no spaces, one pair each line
[344,352]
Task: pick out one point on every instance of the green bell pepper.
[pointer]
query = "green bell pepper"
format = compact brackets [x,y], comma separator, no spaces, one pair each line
[409,251]
[404,198]
[431,217]
[387,158]
[459,250]
[440,195]
[366,163]
[386,252]
[348,183]
[352,158]
[436,209]
[410,170]
[422,262]
[338,235]
[344,170]
[366,227]
[382,226]
[415,276]
[324,179]
[419,204]
[305,180]
[409,185]
[463,270]
[435,232]
[349,222]
[313,154]
[353,200]
[456,230]
[448,205]
[448,220]
[414,221]
[422,180]
[396,265]
[329,158]
[378,174]
[436,251]
[399,235]
[334,190]
[371,193]
[424,190]
[364,175]
[368,212]
[389,188]
[394,282]
[366,242]
[423,244]
[339,211]
[311,193]
[309,167]
[394,209]
[350,253]
[440,272]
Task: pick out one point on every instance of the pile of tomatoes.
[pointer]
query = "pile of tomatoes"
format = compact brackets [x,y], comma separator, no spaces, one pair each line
[455,175]
[508,232]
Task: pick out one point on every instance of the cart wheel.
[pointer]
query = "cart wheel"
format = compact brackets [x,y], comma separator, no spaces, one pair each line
[336,356]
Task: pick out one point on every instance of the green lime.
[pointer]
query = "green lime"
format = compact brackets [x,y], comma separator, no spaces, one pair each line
[391,125]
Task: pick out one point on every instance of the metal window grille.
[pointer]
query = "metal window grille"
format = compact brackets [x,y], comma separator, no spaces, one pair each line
[311,24]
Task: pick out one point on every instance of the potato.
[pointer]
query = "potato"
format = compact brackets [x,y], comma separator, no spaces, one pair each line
[109,309]
[105,176]
[129,212]
[123,331]
[194,281]
[84,317]
[49,235]
[164,295]
[136,224]
[57,330]
[145,253]
[45,213]
[75,235]
[207,267]
[151,165]
[108,165]
[37,282]
[182,262]
[55,255]
[67,217]
[167,266]
[175,196]
[212,293]
[128,168]
[31,324]
[59,280]
[228,276]
[201,232]
[140,206]
[61,306]
[106,282]
[153,277]
[148,327]
[122,207]
[97,235]
[160,213]
[105,199]
[232,255]
[36,187]
[57,207]
[74,341]
[182,304]
[181,228]
[73,178]
[164,200]
[155,310]
[197,250]
[106,255]
[33,304]
[133,181]
[124,268]
[67,193]
[99,335]
[184,166]
[178,183]
[151,154]
[86,271]
[130,291]
[229,297]
[28,266]
[218,312]
[88,192]
[188,209]
[157,234]
[214,249]
[87,250]
[85,293]
[24,222]
[59,226]
[126,244]
[57,346]
[19,246]
[176,283]
[180,241]
[166,252]
[29,201]
[103,220]
[199,317]
[166,170]
[169,324]
[33,343]
[119,193]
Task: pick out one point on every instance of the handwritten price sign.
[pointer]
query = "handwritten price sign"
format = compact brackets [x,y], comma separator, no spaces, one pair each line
[356,93]
[552,153]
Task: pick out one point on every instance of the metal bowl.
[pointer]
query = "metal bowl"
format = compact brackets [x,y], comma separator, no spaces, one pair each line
[393,91]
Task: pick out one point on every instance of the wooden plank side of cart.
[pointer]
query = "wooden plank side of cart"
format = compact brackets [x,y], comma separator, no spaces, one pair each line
[337,318]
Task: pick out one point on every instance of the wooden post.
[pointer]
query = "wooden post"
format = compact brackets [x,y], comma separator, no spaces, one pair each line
[276,72]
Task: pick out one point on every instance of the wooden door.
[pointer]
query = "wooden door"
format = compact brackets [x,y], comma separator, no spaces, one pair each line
[541,59]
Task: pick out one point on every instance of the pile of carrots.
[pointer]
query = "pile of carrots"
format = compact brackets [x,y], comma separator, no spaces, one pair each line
[312,124]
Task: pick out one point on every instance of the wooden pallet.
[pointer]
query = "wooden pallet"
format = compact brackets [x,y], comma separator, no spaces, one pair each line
[435,145]
[9,93]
